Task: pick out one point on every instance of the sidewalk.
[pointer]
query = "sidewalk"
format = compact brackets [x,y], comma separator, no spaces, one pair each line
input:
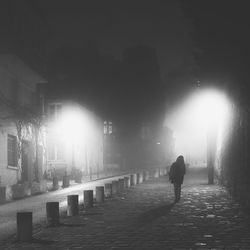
[37,205]
[144,217]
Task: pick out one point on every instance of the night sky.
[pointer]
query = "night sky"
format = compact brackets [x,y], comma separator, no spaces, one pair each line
[114,25]
[87,58]
[129,60]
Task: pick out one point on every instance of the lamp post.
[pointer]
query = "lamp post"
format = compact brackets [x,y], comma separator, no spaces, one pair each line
[214,111]
[210,156]
[73,154]
[200,125]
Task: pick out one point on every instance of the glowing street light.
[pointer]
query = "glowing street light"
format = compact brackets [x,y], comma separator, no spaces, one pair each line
[208,108]
[197,125]
[75,128]
[212,110]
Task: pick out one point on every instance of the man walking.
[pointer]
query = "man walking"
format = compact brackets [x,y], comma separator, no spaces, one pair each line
[176,176]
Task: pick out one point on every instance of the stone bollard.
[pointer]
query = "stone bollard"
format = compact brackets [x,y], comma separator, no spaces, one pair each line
[133,179]
[108,189]
[73,205]
[166,171]
[121,185]
[88,198]
[137,178]
[161,171]
[2,195]
[146,175]
[126,182]
[140,177]
[52,211]
[99,194]
[114,187]
[151,174]
[24,226]
[55,183]
[156,173]
[65,181]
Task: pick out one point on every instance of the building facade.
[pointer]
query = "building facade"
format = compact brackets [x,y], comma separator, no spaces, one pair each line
[21,130]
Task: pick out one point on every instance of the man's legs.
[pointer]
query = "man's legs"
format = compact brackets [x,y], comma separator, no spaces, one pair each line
[177,191]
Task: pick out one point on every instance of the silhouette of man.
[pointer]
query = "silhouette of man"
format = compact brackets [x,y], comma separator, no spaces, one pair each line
[176,176]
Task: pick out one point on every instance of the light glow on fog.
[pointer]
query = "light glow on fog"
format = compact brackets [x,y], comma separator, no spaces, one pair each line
[73,125]
[204,111]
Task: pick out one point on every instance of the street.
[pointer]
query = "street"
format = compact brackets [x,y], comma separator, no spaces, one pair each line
[92,89]
[145,217]
[37,205]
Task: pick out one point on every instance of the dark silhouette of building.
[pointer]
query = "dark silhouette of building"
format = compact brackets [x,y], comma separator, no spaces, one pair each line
[22,64]
[24,33]
[142,86]
[222,54]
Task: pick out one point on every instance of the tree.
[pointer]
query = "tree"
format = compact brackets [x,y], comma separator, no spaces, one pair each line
[25,119]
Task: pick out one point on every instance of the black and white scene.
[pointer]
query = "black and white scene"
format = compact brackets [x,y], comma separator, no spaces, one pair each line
[124,125]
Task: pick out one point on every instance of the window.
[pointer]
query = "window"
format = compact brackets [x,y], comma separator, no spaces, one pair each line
[110,130]
[54,111]
[107,127]
[12,151]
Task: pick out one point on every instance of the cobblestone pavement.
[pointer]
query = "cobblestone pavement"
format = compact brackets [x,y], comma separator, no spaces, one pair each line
[144,217]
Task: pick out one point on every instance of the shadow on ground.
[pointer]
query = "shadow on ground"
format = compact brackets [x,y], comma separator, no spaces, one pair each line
[153,214]
[61,224]
[36,241]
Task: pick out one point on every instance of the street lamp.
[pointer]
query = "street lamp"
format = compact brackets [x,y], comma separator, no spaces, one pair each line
[198,124]
[212,112]
[76,129]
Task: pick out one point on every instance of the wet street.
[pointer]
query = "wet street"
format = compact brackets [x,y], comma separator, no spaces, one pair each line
[144,217]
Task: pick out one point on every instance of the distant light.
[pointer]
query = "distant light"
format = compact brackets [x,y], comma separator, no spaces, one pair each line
[158,143]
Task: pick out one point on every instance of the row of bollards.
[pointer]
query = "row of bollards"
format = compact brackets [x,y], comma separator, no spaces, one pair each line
[24,219]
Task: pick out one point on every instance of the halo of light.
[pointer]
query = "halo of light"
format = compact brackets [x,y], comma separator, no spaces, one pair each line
[205,111]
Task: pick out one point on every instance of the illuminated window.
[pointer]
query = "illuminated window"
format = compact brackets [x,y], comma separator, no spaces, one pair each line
[107,128]
[110,128]
[12,151]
